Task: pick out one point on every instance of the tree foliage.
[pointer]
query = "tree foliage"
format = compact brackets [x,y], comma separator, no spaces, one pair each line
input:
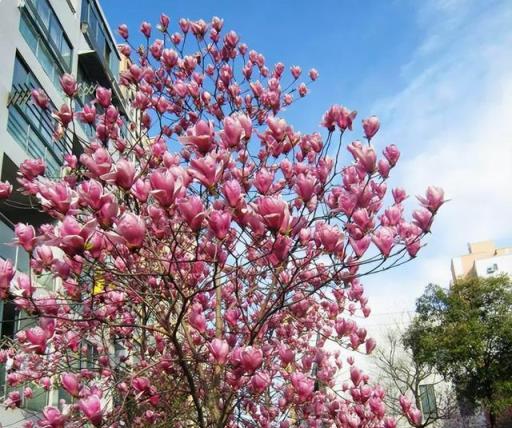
[465,332]
[215,249]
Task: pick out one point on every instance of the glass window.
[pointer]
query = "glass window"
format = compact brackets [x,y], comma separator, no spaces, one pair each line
[8,319]
[56,32]
[28,34]
[39,399]
[84,17]
[31,127]
[66,51]
[47,27]
[41,51]
[7,251]
[93,27]
[43,10]
[428,401]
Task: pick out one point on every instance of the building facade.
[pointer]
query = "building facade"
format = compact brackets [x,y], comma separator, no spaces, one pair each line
[482,260]
[41,40]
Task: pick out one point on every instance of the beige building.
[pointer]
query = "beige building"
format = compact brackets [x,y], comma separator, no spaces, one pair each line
[483,260]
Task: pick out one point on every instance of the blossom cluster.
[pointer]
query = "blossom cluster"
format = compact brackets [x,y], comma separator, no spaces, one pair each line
[209,260]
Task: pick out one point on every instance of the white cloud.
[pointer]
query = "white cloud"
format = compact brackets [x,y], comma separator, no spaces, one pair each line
[453,121]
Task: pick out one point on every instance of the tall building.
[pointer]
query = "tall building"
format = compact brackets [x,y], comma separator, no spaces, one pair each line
[39,41]
[483,260]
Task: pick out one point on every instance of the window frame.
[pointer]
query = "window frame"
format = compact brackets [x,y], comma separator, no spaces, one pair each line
[45,31]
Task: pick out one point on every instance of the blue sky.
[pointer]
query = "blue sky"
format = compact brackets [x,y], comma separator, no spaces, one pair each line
[439,75]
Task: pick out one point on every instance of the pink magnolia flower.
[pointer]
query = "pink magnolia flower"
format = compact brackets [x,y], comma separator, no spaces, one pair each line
[263,181]
[32,168]
[399,195]
[73,235]
[200,137]
[251,358]
[91,408]
[389,423]
[296,71]
[383,167]
[37,338]
[192,210]
[103,96]
[123,174]
[233,192]
[360,245]
[25,236]
[145,29]
[219,349]
[355,375]
[141,190]
[141,384]
[70,383]
[371,125]
[53,418]
[164,22]
[260,382]
[370,345]
[219,222]
[123,31]
[423,219]
[98,162]
[5,189]
[275,213]
[330,237]
[13,400]
[232,132]
[27,392]
[434,198]
[197,320]
[88,114]
[69,85]
[305,186]
[40,98]
[414,416]
[131,227]
[165,187]
[206,170]
[405,403]
[303,385]
[364,155]
[392,154]
[384,239]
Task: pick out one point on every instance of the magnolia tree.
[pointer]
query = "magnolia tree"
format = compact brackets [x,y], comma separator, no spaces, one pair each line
[210,262]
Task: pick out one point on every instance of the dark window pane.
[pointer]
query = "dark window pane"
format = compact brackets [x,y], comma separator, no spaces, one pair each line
[8,319]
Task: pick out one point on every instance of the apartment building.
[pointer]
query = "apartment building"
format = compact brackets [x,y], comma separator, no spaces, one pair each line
[483,259]
[40,40]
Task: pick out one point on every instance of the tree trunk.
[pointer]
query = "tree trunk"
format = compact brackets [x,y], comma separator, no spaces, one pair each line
[492,420]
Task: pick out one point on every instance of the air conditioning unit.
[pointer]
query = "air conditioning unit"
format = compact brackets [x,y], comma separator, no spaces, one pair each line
[492,269]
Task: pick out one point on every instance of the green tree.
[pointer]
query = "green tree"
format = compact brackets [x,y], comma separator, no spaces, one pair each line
[465,332]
